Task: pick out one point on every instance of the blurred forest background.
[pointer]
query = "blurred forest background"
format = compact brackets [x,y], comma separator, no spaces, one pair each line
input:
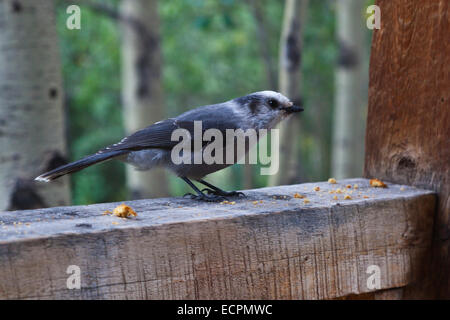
[134,62]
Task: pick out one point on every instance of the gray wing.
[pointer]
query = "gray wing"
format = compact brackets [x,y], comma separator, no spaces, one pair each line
[158,135]
[155,136]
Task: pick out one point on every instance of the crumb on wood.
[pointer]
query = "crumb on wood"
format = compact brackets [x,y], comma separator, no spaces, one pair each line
[332,181]
[347,197]
[124,211]
[377,183]
[298,196]
[228,202]
[316,188]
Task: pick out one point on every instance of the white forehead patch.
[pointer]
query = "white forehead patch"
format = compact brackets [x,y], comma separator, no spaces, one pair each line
[273,94]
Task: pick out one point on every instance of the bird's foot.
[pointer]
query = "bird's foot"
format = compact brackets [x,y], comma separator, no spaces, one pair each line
[206,197]
[224,193]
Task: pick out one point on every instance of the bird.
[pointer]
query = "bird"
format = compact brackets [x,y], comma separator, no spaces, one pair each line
[152,146]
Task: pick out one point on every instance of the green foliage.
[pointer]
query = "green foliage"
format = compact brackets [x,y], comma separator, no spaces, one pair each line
[319,57]
[91,70]
[216,55]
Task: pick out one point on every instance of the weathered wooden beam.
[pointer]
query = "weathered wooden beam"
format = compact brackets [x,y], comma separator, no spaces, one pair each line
[270,245]
[408,123]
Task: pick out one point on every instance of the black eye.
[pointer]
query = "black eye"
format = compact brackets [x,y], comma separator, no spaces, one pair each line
[273,103]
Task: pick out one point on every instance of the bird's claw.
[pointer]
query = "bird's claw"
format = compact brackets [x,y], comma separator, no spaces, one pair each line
[224,193]
[206,197]
[208,191]
[189,194]
[236,194]
[210,198]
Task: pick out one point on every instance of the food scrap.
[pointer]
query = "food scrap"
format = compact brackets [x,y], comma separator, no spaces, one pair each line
[316,188]
[228,202]
[124,211]
[279,197]
[347,197]
[306,201]
[298,196]
[377,183]
[332,180]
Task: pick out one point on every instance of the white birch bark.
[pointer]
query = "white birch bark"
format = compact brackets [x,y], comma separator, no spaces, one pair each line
[349,122]
[141,86]
[32,135]
[290,85]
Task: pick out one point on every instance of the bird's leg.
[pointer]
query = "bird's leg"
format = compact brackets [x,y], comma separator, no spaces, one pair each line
[217,191]
[200,195]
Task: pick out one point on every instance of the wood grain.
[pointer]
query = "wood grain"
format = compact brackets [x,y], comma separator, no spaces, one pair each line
[264,246]
[408,129]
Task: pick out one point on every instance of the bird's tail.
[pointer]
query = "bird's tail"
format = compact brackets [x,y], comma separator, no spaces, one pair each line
[79,165]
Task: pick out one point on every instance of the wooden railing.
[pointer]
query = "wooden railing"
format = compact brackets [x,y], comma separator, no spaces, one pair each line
[273,244]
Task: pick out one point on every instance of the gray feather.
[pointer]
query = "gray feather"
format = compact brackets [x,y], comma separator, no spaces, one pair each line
[78,165]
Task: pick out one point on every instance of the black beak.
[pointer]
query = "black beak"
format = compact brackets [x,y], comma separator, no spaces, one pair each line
[293,109]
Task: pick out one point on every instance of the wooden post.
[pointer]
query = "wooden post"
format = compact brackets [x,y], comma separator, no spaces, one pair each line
[271,245]
[408,129]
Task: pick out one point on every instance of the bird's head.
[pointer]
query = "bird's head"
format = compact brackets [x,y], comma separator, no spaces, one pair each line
[266,108]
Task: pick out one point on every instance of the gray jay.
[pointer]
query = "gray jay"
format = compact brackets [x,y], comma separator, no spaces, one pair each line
[152,146]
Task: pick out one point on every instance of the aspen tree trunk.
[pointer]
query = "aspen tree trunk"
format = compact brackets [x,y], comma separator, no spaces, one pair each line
[256,7]
[349,122]
[290,85]
[264,45]
[141,86]
[32,135]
